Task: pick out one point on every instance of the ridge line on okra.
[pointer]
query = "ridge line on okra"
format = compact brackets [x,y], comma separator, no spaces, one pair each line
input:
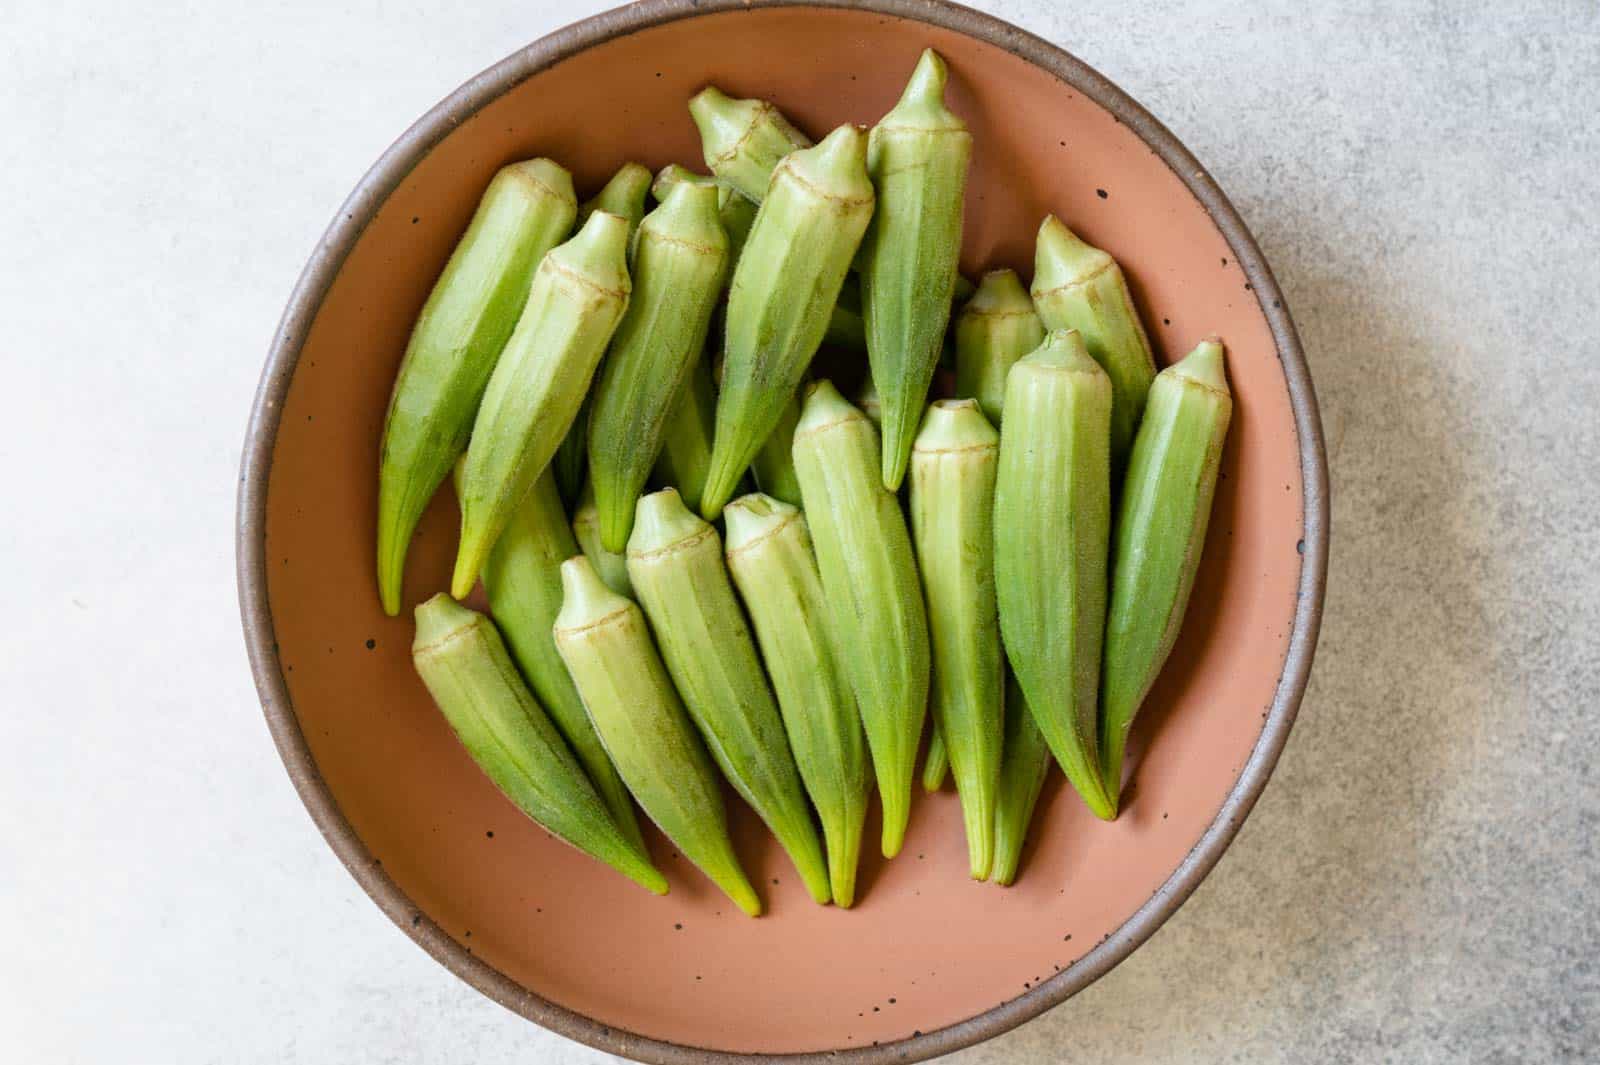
[586,626]
[757,541]
[1078,282]
[584,282]
[811,186]
[677,545]
[763,107]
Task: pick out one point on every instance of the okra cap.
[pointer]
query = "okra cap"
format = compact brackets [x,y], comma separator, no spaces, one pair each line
[1062,259]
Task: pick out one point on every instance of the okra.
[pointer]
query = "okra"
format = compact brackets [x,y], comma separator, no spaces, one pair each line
[685,456]
[675,563]
[604,642]
[678,263]
[1076,286]
[571,464]
[522,578]
[464,664]
[623,195]
[845,327]
[997,327]
[773,465]
[1160,533]
[611,565]
[579,293]
[735,211]
[867,401]
[787,280]
[454,345]
[1023,768]
[870,580]
[769,554]
[918,158]
[953,470]
[1052,519]
[936,763]
[743,140]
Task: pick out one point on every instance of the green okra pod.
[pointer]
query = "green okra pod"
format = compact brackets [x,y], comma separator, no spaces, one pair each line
[1076,286]
[867,401]
[610,565]
[874,598]
[953,467]
[464,664]
[571,464]
[773,465]
[918,158]
[522,578]
[578,295]
[788,279]
[675,563]
[845,327]
[734,211]
[997,327]
[743,140]
[454,345]
[679,260]
[769,554]
[607,648]
[685,456]
[1052,520]
[936,763]
[1160,533]
[1023,768]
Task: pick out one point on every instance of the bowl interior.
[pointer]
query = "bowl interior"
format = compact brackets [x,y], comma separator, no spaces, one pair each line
[925,947]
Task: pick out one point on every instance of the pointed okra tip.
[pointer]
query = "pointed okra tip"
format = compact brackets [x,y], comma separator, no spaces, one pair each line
[674,174]
[544,177]
[598,252]
[1062,258]
[722,120]
[921,105]
[585,598]
[955,425]
[836,165]
[689,212]
[661,521]
[752,518]
[438,619]
[824,406]
[623,195]
[1204,365]
[1062,349]
[1000,292]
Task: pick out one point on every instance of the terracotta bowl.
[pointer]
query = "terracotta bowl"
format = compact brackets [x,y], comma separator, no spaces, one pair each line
[928,961]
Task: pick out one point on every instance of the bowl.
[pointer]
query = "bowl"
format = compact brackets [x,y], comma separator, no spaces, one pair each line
[928,961]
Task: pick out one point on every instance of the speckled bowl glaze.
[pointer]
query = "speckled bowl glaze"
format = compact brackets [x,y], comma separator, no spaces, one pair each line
[928,961]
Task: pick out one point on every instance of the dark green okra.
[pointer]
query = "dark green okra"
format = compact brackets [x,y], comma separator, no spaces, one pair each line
[522,578]
[874,598]
[770,556]
[454,345]
[578,296]
[1077,286]
[997,327]
[1023,768]
[936,763]
[1052,521]
[462,660]
[918,158]
[685,456]
[676,565]
[953,467]
[806,233]
[1161,532]
[607,648]
[743,140]
[679,260]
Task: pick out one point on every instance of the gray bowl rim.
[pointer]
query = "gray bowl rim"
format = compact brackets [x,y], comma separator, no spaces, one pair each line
[261,434]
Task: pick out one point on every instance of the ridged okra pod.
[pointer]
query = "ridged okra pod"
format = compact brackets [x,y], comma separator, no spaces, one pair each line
[454,345]
[612,566]
[685,456]
[676,565]
[522,578]
[918,158]
[679,260]
[787,280]
[953,468]
[845,327]
[1077,286]
[1023,768]
[1052,520]
[936,763]
[464,664]
[874,598]
[734,211]
[743,140]
[770,556]
[997,327]
[773,466]
[579,294]
[607,648]
[1160,533]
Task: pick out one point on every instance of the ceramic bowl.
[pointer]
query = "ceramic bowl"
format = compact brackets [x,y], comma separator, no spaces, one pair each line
[928,960]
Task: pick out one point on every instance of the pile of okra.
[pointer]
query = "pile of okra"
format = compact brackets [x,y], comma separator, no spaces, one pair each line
[604,384]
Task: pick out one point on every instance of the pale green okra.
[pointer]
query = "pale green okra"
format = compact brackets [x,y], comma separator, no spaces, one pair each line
[1052,522]
[612,566]
[743,140]
[676,565]
[1160,534]
[607,648]
[936,763]
[918,158]
[874,598]
[464,664]
[997,327]
[953,468]
[578,296]
[735,211]
[770,557]
[1023,769]
[685,456]
[470,314]
[773,465]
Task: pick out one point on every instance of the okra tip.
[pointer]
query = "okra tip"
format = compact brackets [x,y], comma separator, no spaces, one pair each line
[999,295]
[928,79]
[836,166]
[1063,349]
[437,619]
[660,521]
[585,598]
[547,176]
[824,406]
[722,121]
[955,425]
[599,251]
[752,518]
[623,195]
[1062,258]
[1204,365]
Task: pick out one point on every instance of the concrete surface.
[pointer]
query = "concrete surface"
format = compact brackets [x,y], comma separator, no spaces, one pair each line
[1419,883]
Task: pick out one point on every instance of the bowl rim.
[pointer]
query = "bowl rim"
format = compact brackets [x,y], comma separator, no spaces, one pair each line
[261,436]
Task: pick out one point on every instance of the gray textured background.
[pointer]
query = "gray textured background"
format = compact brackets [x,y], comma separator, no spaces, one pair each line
[1419,883]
